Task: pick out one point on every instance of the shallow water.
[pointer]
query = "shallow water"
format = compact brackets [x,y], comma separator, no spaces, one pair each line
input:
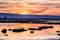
[46,34]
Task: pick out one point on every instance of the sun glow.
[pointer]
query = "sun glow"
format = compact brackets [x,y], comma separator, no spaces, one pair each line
[24,12]
[25,9]
[26,26]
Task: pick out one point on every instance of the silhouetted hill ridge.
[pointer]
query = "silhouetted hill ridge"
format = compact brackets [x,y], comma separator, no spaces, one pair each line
[29,16]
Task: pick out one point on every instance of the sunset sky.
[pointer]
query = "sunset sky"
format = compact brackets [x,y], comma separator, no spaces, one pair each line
[38,7]
[34,7]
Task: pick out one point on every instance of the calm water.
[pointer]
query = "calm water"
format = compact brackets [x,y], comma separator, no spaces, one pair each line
[37,35]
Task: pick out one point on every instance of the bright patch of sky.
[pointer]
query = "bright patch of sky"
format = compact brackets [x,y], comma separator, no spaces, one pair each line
[34,1]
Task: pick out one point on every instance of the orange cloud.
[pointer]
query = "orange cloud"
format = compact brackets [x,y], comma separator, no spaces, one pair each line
[30,9]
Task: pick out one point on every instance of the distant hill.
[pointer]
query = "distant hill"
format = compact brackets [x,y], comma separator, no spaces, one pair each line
[9,15]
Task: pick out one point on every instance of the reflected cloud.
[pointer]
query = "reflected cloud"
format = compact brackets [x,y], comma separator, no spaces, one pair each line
[2,39]
[53,39]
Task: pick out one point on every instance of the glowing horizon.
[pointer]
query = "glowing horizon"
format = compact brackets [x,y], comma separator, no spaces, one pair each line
[35,7]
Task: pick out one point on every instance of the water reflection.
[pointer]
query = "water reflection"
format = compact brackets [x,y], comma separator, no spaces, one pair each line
[38,34]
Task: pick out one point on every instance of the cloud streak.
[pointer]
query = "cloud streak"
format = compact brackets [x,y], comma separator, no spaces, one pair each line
[30,7]
[32,1]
